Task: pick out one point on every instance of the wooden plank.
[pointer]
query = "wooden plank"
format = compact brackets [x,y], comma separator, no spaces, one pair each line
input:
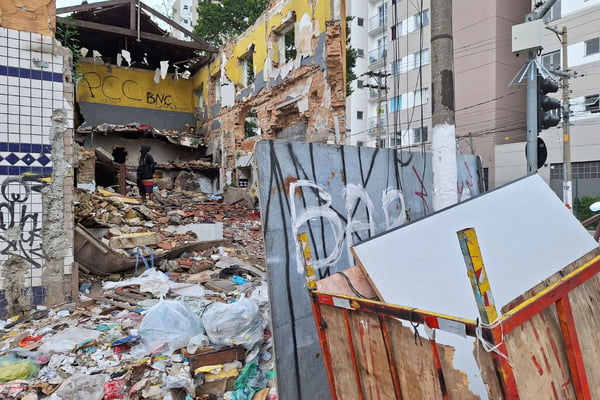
[414,363]
[217,357]
[89,6]
[572,348]
[348,283]
[469,246]
[585,303]
[538,358]
[115,296]
[372,357]
[489,373]
[119,304]
[346,386]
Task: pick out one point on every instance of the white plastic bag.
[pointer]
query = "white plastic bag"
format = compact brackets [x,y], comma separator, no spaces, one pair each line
[238,323]
[80,387]
[65,341]
[168,326]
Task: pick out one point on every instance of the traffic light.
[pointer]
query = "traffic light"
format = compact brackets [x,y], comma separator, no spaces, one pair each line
[546,104]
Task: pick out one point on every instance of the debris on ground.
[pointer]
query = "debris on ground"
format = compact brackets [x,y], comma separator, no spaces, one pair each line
[195,326]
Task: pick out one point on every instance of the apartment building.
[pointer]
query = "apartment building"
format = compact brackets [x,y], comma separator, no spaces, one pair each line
[390,103]
[582,20]
[185,13]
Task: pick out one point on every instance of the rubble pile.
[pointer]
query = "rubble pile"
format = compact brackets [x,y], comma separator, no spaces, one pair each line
[146,337]
[192,326]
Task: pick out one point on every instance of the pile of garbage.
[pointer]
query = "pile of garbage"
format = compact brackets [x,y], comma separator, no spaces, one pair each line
[145,337]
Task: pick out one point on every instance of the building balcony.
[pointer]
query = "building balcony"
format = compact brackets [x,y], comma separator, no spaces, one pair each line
[377,57]
[377,24]
[372,125]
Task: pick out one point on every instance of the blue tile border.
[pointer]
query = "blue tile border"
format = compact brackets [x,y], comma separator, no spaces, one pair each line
[31,74]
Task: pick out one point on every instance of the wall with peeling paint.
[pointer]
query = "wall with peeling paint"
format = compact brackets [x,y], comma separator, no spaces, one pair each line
[300,98]
[36,150]
[38,16]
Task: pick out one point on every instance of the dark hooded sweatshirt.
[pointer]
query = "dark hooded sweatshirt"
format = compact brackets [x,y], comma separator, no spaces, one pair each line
[146,166]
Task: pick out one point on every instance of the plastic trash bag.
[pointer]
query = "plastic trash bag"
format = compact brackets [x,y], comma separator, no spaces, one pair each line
[168,326]
[80,387]
[12,369]
[65,341]
[197,342]
[238,323]
[250,381]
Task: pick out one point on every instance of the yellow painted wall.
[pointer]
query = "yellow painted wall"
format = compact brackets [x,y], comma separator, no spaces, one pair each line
[260,37]
[134,88]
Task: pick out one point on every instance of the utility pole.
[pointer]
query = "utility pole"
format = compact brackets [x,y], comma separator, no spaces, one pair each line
[380,86]
[567,176]
[443,142]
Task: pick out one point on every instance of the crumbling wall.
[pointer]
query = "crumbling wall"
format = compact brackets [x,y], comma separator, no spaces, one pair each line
[36,228]
[37,16]
[300,98]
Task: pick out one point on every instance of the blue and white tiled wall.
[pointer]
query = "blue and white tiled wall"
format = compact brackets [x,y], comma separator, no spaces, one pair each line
[31,87]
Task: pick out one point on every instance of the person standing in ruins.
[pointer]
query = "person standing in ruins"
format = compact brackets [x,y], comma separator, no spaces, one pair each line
[145,173]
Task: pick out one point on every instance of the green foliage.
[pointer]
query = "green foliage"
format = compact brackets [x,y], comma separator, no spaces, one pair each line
[582,207]
[68,36]
[350,59]
[219,21]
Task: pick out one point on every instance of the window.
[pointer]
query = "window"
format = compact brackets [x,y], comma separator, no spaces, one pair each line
[247,64]
[185,21]
[592,46]
[420,135]
[554,12]
[551,60]
[592,103]
[396,104]
[397,31]
[382,12]
[200,96]
[421,58]
[185,7]
[580,170]
[397,67]
[217,88]
[421,19]
[251,127]
[396,139]
[359,115]
[360,143]
[289,38]
[360,21]
[420,97]
[360,53]
[359,84]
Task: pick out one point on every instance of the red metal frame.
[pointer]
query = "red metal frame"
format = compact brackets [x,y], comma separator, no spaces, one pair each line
[557,294]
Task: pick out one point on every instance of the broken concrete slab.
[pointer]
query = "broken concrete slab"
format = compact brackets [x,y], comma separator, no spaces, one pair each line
[132,240]
[236,195]
[186,182]
[103,155]
[204,232]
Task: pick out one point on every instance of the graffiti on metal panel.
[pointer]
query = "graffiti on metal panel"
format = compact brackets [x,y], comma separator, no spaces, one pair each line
[19,227]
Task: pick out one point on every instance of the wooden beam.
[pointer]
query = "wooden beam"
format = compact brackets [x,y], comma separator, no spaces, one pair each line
[132,15]
[178,27]
[573,349]
[90,6]
[132,33]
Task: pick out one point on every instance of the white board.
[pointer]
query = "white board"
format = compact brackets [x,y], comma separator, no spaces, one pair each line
[525,234]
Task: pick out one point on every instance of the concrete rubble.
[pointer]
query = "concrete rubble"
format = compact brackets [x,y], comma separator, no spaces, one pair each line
[191,327]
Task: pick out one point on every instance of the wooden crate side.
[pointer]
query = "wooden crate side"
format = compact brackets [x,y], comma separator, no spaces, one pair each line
[345,382]
[539,360]
[372,357]
[489,373]
[552,279]
[457,381]
[414,363]
[585,303]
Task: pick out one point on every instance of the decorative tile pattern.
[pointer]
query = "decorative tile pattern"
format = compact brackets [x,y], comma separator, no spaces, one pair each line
[31,87]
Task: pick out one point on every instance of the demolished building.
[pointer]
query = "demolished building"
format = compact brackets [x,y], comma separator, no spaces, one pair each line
[282,78]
